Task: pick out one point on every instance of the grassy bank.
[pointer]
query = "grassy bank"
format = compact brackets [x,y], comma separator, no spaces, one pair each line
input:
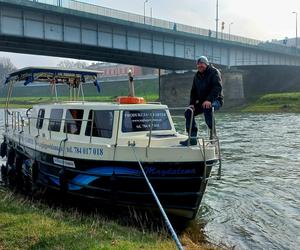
[118,88]
[26,224]
[26,102]
[277,102]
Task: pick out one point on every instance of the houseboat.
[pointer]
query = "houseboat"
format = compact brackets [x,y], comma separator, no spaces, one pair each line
[96,150]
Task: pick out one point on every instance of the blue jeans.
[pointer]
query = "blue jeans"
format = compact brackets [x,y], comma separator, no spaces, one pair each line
[199,110]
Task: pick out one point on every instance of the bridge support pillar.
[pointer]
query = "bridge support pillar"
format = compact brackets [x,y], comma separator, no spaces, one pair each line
[175,88]
[233,84]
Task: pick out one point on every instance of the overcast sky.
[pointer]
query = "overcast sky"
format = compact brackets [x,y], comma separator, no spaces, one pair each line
[259,19]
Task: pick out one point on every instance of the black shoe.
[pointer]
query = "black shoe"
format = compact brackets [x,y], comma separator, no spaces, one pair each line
[185,143]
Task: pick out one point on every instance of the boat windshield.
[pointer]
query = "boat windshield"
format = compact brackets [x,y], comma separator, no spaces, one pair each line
[143,120]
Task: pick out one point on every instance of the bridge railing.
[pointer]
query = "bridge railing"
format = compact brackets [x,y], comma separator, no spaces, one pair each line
[155,22]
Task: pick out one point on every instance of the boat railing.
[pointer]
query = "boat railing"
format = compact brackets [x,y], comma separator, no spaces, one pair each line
[202,142]
[18,122]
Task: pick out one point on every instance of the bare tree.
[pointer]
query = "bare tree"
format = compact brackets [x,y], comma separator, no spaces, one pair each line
[6,67]
[73,64]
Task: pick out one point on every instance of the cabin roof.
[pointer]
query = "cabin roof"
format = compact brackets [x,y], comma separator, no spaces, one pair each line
[51,70]
[102,105]
[53,75]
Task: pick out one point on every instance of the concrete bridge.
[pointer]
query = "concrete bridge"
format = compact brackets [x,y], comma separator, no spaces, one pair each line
[72,29]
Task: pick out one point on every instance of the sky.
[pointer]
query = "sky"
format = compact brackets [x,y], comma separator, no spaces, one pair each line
[258,19]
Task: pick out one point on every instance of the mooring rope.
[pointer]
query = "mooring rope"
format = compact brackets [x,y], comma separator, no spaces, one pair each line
[169,225]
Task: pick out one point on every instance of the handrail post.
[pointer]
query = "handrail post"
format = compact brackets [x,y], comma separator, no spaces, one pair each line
[22,124]
[13,121]
[5,119]
[204,159]
[82,93]
[220,161]
[191,122]
[151,128]
[18,119]
[29,125]
[150,133]
[66,132]
[92,126]
[117,133]
[213,122]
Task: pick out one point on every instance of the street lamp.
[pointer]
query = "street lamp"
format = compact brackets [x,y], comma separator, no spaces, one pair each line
[217,19]
[296,13]
[229,31]
[146,1]
[222,29]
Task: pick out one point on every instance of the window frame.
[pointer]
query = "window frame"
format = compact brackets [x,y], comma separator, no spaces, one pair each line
[79,120]
[40,119]
[89,121]
[55,120]
[123,130]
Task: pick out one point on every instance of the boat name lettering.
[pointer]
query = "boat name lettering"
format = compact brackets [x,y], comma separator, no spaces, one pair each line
[163,172]
[49,146]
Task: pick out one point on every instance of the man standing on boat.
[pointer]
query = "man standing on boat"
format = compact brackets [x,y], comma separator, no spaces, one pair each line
[206,93]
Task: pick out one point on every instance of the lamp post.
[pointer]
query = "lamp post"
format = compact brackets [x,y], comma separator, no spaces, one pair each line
[222,29]
[229,31]
[146,1]
[296,13]
[217,19]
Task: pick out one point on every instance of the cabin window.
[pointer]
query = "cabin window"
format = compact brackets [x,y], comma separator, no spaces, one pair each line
[102,125]
[73,121]
[141,120]
[40,119]
[55,120]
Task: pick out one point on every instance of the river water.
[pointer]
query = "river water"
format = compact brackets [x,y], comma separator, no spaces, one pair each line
[256,205]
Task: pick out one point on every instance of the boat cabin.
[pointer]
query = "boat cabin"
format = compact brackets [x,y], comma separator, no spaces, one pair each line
[102,122]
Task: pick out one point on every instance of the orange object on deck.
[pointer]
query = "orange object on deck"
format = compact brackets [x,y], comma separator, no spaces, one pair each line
[130,100]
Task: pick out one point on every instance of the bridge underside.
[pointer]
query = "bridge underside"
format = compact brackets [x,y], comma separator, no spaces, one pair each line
[41,29]
[85,52]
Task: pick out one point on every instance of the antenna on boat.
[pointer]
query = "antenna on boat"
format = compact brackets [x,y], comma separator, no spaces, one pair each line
[130,84]
[131,98]
[52,83]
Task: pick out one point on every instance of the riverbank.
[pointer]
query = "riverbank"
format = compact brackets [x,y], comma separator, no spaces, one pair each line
[270,103]
[27,102]
[277,102]
[27,224]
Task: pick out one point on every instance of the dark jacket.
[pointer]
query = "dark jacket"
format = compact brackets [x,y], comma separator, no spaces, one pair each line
[207,86]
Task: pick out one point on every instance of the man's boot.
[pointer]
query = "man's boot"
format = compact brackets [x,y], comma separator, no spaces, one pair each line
[193,140]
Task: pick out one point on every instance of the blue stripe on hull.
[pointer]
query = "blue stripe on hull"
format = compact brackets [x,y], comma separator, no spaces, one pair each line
[83,179]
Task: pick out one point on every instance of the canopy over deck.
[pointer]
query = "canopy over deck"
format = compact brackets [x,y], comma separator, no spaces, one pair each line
[53,75]
[74,78]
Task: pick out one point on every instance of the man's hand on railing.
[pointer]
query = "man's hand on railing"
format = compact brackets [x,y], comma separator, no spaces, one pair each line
[192,107]
[206,105]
